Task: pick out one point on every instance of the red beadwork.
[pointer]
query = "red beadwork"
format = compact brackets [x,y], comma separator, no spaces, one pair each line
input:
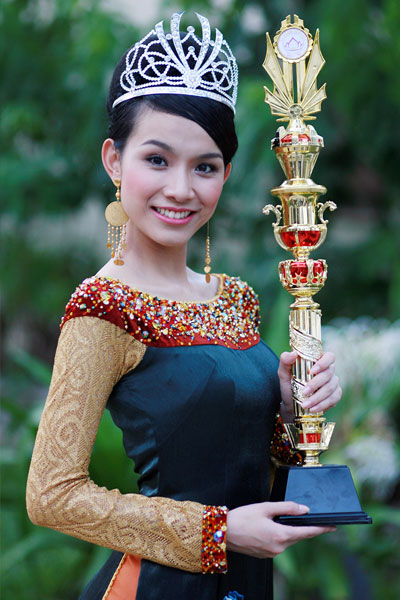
[213,549]
[307,237]
[231,319]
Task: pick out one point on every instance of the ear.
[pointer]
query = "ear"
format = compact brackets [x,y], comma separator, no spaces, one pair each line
[228,170]
[111,159]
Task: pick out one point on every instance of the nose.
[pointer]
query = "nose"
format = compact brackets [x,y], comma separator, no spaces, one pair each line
[179,186]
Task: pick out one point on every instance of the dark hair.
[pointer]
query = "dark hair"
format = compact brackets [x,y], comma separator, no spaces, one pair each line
[214,117]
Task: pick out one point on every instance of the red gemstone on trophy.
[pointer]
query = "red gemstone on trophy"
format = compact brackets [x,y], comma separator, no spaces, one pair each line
[318,270]
[308,237]
[288,238]
[311,438]
[299,270]
[302,137]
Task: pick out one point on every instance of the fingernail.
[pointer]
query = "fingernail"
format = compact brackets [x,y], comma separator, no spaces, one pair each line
[304,508]
[306,390]
[315,370]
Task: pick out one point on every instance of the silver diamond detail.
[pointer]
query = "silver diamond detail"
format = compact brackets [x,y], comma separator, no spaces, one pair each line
[214,77]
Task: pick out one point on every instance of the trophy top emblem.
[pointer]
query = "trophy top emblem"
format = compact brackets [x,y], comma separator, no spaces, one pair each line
[293,42]
[294,97]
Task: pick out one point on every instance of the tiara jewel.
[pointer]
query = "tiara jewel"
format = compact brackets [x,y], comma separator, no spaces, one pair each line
[176,63]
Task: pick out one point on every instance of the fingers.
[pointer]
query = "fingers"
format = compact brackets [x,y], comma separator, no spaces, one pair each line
[286,361]
[274,509]
[324,400]
[327,359]
[289,358]
[251,529]
[287,534]
[323,390]
[296,534]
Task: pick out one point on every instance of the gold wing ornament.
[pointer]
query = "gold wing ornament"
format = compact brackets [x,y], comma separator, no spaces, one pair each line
[292,46]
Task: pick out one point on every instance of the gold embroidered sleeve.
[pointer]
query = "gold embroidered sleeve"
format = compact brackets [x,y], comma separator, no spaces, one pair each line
[92,355]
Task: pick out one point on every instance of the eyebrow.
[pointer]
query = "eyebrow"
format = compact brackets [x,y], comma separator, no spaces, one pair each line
[168,148]
[157,143]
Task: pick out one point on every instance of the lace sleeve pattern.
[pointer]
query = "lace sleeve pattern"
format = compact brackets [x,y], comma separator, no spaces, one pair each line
[92,355]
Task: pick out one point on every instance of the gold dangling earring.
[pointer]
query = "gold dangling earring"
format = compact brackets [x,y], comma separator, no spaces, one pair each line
[116,218]
[207,268]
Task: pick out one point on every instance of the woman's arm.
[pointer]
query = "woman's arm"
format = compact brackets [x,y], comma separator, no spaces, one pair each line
[91,357]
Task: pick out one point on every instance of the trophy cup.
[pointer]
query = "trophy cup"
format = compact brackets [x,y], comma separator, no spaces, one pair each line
[293,62]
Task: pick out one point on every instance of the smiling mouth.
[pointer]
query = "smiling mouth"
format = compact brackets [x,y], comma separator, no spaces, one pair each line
[173,214]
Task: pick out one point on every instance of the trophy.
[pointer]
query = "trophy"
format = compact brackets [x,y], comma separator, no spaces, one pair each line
[293,62]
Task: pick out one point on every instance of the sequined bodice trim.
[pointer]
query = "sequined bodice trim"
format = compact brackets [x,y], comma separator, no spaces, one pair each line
[230,319]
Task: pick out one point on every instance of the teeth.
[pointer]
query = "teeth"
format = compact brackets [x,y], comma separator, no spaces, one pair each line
[172,214]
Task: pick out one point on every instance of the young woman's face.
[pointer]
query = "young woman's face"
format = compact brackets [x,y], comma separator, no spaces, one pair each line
[172,174]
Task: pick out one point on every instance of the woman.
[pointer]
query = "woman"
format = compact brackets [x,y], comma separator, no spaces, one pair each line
[174,355]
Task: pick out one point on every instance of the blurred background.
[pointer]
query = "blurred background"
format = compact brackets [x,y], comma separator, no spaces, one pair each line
[56,63]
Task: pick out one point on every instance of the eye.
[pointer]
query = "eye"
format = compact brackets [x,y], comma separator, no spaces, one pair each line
[206,168]
[156,160]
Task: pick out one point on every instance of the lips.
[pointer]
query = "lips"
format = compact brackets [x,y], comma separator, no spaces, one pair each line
[173,216]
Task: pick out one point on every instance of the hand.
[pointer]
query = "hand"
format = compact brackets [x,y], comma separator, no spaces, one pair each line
[323,390]
[252,531]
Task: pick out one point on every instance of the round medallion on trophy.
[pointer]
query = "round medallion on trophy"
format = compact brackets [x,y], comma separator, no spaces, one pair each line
[293,44]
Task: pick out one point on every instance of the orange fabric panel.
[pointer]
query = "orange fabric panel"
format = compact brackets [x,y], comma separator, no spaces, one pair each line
[125,584]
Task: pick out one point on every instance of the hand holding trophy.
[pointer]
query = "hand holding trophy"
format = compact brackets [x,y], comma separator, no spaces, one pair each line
[293,62]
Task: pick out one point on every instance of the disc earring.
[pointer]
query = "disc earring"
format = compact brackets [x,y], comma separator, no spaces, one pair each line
[116,218]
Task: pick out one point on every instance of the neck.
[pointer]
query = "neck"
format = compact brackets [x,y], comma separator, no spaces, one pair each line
[150,264]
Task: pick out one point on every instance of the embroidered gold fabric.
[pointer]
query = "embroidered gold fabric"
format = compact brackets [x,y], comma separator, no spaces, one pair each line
[92,355]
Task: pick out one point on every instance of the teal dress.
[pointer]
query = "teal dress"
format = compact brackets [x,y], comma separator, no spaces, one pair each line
[197,417]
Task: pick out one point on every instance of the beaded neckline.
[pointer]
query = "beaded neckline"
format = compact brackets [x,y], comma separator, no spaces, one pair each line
[230,319]
[221,288]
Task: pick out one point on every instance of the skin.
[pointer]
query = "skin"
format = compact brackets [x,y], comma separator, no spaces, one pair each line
[170,162]
[184,169]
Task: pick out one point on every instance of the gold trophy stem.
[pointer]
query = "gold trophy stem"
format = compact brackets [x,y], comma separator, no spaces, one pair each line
[293,62]
[310,433]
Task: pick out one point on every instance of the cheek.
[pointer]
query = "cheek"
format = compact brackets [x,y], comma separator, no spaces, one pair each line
[212,193]
[136,186]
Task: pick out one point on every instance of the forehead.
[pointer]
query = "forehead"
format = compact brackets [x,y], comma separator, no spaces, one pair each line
[176,131]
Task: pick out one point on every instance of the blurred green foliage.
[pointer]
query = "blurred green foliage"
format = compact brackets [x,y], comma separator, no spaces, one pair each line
[57,59]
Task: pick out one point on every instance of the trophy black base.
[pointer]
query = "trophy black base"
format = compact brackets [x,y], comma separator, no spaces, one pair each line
[328,491]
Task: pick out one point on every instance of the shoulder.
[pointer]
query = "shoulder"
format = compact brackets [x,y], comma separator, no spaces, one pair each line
[241,287]
[95,297]
[241,303]
[231,318]
[241,293]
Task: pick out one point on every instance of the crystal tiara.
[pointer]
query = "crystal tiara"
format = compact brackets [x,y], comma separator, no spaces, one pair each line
[176,63]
